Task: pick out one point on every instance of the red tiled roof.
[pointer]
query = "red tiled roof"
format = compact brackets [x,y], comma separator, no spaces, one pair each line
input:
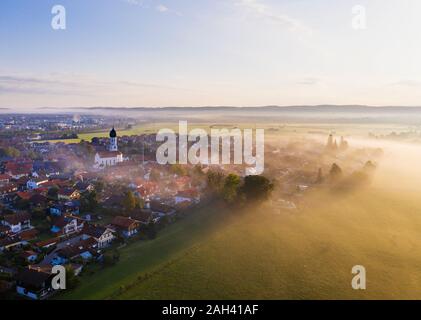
[109,154]
[47,242]
[123,222]
[24,195]
[191,193]
[5,177]
[29,234]
[17,217]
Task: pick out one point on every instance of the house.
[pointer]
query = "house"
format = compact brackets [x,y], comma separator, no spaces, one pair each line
[10,272]
[4,230]
[34,284]
[36,182]
[183,182]
[4,179]
[70,207]
[144,216]
[84,186]
[56,210]
[18,221]
[38,200]
[17,171]
[68,194]
[8,188]
[29,234]
[47,243]
[23,195]
[102,235]
[162,209]
[83,249]
[113,202]
[127,227]
[67,224]
[30,256]
[190,195]
[10,243]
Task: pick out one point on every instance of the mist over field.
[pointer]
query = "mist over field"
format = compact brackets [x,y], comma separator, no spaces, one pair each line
[267,252]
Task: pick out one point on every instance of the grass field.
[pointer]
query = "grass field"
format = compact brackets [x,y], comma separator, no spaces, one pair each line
[271,129]
[308,255]
[142,257]
[263,254]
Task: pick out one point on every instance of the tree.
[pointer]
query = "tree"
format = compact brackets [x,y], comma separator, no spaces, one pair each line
[215,180]
[343,145]
[329,144]
[9,152]
[335,172]
[178,169]
[150,231]
[32,155]
[154,175]
[111,258]
[129,201]
[319,178]
[231,187]
[53,192]
[89,201]
[99,185]
[140,203]
[38,213]
[257,188]
[369,167]
[71,280]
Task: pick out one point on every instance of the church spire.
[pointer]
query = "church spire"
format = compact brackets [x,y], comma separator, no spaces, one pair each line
[113,140]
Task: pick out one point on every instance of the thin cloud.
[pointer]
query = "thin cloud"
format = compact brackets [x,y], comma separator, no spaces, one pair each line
[134,2]
[164,9]
[309,81]
[67,85]
[406,83]
[161,8]
[262,11]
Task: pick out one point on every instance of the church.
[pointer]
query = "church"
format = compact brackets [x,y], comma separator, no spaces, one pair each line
[111,156]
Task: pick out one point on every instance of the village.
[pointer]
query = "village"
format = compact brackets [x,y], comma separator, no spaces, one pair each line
[75,204]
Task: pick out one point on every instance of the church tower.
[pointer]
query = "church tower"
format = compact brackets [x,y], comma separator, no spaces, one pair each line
[113,140]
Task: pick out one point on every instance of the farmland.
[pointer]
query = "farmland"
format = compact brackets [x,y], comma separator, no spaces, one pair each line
[265,254]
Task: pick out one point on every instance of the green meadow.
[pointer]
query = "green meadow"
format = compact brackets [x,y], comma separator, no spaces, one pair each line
[271,129]
[265,254]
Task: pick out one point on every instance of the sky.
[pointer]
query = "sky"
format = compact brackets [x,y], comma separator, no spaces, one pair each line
[155,53]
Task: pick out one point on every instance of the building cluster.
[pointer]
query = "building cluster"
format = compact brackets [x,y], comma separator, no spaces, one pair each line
[74,202]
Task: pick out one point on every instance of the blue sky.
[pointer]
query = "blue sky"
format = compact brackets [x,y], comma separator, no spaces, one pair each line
[202,52]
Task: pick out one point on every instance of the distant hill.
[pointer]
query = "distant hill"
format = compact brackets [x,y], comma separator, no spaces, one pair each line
[289,109]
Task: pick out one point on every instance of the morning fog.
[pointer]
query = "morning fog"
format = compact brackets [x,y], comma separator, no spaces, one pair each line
[226,146]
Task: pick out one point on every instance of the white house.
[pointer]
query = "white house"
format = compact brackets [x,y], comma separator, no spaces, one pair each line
[18,222]
[103,236]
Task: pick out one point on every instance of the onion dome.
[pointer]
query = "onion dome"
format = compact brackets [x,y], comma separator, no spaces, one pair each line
[113,133]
